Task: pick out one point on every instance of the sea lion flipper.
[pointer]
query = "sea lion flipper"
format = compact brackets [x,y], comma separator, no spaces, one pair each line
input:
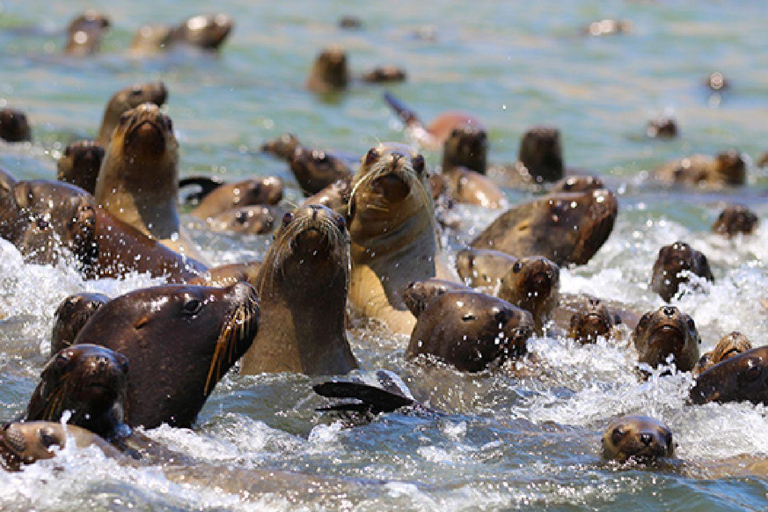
[206,184]
[404,112]
[378,399]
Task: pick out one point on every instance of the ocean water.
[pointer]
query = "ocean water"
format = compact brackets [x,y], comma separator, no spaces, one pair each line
[503,442]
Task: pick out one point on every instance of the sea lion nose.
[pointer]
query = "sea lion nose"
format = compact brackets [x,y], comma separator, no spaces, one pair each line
[646,439]
[669,311]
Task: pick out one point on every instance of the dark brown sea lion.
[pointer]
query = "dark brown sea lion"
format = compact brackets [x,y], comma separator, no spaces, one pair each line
[329,72]
[315,169]
[335,196]
[742,378]
[471,331]
[591,320]
[392,230]
[91,382]
[566,228]
[24,443]
[125,100]
[14,126]
[729,346]
[469,187]
[483,269]
[350,22]
[281,147]
[638,438]
[541,154]
[247,220]
[726,168]
[533,284]
[667,332]
[434,135]
[674,265]
[80,164]
[138,181]
[254,191]
[85,33]
[71,316]
[384,74]
[663,127]
[577,184]
[608,27]
[303,285]
[180,340]
[735,219]
[419,294]
[466,146]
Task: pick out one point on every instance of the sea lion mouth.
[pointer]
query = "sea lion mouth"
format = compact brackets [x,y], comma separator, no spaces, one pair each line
[147,135]
[668,335]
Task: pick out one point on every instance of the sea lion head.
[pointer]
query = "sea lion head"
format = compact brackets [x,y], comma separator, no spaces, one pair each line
[90,381]
[663,127]
[532,283]
[316,169]
[542,154]
[578,184]
[729,168]
[591,320]
[14,126]
[27,442]
[125,100]
[282,146]
[736,379]
[466,146]
[71,316]
[418,294]
[329,71]
[80,164]
[389,192]
[206,31]
[729,346]
[637,438]
[673,260]
[253,220]
[85,33]
[664,332]
[483,267]
[735,219]
[384,74]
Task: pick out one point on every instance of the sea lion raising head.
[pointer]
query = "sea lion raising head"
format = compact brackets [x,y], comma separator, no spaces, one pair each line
[281,147]
[735,219]
[467,146]
[329,71]
[85,33]
[80,164]
[736,379]
[729,346]
[667,332]
[592,319]
[314,169]
[14,126]
[125,100]
[673,267]
[637,438]
[533,284]
[541,154]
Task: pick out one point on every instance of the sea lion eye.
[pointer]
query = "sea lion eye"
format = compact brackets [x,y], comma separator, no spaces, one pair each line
[418,164]
[371,156]
[691,324]
[340,222]
[47,438]
[169,124]
[517,267]
[617,435]
[136,91]
[62,358]
[125,117]
[753,373]
[643,323]
[287,218]
[192,306]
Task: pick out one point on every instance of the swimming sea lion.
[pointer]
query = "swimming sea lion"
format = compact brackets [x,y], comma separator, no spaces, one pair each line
[419,294]
[471,331]
[329,71]
[663,127]
[637,438]
[303,285]
[85,32]
[267,190]
[350,22]
[392,231]
[384,74]
[735,219]
[673,266]
[667,332]
[577,184]
[541,154]
[80,164]
[608,27]
[125,100]
[281,147]
[314,169]
[737,379]
[533,284]
[71,316]
[14,126]
[483,269]
[726,168]
[729,346]
[591,320]
[138,181]
[181,340]
[466,146]
[470,187]
[434,135]
[28,442]
[204,31]
[335,196]
[565,227]
[247,220]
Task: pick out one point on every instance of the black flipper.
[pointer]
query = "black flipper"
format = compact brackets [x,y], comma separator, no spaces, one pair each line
[408,116]
[375,398]
[206,184]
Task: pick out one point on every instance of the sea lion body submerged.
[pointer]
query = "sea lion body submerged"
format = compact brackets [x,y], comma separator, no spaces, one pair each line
[667,332]
[71,316]
[483,269]
[729,346]
[123,101]
[742,378]
[726,168]
[85,33]
[80,164]
[735,219]
[227,196]
[14,126]
[637,438]
[533,284]
[673,266]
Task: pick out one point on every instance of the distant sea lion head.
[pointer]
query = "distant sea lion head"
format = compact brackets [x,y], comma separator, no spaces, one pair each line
[206,31]
[85,33]
[253,220]
[673,260]
[735,219]
[80,164]
[729,346]
[664,332]
[591,320]
[316,169]
[743,377]
[466,146]
[542,154]
[71,316]
[329,71]
[637,438]
[730,168]
[282,146]
[127,99]
[14,126]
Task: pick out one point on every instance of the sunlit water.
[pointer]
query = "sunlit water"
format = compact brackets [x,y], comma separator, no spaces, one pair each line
[504,442]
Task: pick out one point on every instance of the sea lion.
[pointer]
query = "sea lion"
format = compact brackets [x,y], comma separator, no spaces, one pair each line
[735,219]
[471,331]
[470,187]
[315,169]
[350,22]
[329,71]
[638,438]
[254,191]
[434,135]
[281,147]
[85,33]
[14,126]
[335,196]
[247,220]
[419,294]
[729,346]
[541,154]
[204,31]
[674,265]
[125,100]
[138,180]
[466,146]
[483,269]
[150,39]
[737,379]
[303,285]
[80,164]
[667,332]
[577,184]
[663,127]
[28,442]
[88,380]
[71,316]
[608,27]
[726,168]
[564,227]
[592,320]
[384,75]
[392,230]
[533,284]
[180,339]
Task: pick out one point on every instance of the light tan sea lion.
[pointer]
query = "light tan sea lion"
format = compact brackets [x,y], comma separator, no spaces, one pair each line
[673,266]
[303,285]
[663,127]
[726,168]
[533,284]
[470,187]
[329,71]
[85,33]
[205,32]
[14,126]
[483,269]
[667,332]
[392,230]
[138,181]
[741,378]
[80,164]
[729,346]
[637,438]
[735,219]
[125,100]
[419,294]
